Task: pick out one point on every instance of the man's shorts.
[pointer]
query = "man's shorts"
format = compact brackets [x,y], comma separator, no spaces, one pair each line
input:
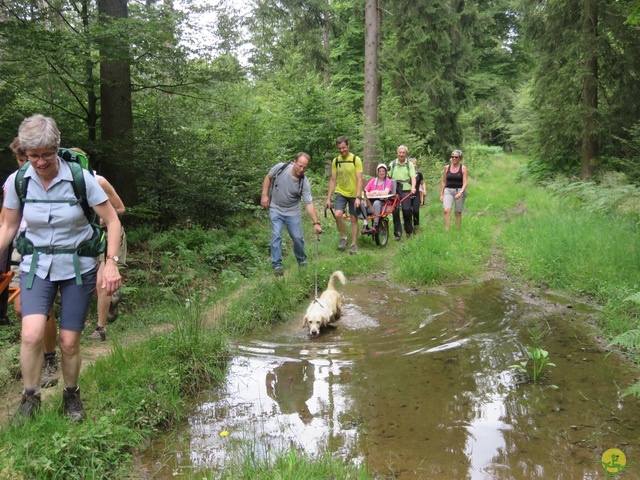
[447,199]
[341,203]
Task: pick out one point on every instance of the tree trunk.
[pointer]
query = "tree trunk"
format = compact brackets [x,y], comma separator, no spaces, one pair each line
[89,79]
[590,146]
[371,86]
[117,116]
[326,45]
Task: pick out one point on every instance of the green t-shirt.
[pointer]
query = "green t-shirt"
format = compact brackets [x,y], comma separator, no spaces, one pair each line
[346,169]
[402,172]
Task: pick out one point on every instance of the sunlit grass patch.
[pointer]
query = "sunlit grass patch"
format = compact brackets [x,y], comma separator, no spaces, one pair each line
[244,463]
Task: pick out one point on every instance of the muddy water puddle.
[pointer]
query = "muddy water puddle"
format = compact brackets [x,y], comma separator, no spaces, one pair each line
[418,385]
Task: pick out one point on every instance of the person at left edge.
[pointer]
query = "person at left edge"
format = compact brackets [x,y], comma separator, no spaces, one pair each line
[282,190]
[55,224]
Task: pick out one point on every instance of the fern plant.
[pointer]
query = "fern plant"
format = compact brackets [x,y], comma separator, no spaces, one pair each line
[630,340]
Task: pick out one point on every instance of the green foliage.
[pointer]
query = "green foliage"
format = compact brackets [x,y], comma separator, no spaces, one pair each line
[425,62]
[576,250]
[555,118]
[287,465]
[610,195]
[534,368]
[632,390]
[126,401]
[184,259]
[629,339]
[536,365]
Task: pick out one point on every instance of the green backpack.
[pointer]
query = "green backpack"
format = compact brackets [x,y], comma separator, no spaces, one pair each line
[93,247]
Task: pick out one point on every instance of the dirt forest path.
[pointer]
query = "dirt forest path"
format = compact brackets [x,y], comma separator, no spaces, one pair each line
[94,350]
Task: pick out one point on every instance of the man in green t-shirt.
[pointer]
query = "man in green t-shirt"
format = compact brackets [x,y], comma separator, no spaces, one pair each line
[346,181]
[404,173]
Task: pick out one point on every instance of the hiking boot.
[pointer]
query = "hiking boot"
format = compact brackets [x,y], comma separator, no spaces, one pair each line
[29,405]
[49,377]
[98,334]
[343,243]
[397,237]
[116,298]
[353,250]
[72,404]
[278,272]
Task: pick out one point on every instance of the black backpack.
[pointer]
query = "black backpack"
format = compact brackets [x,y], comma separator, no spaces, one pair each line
[338,162]
[274,181]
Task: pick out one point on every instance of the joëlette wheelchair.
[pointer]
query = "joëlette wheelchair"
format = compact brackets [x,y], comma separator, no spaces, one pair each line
[389,203]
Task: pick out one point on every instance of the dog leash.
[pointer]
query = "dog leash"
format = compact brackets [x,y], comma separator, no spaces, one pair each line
[317,247]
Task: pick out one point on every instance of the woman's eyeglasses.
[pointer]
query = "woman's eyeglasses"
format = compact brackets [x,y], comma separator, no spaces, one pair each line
[47,157]
[454,156]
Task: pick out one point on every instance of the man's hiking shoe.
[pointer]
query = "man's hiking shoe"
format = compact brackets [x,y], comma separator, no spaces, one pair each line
[116,298]
[29,405]
[398,237]
[98,334]
[278,272]
[353,250]
[72,404]
[49,377]
[343,243]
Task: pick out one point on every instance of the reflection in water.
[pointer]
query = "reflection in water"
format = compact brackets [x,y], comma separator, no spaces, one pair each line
[418,385]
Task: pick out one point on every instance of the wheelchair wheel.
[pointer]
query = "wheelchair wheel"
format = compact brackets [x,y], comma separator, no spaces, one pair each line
[382,232]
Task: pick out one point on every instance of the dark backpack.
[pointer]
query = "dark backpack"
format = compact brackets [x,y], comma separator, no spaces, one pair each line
[395,162]
[274,182]
[93,247]
[338,162]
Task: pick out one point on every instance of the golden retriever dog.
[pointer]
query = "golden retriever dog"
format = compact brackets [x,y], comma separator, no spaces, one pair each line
[326,309]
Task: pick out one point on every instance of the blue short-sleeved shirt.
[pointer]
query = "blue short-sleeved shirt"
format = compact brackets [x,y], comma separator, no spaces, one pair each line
[56,225]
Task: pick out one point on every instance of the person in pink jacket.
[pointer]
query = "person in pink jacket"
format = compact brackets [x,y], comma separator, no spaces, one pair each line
[379,186]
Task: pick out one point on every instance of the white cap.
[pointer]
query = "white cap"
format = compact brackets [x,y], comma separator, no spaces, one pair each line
[381,165]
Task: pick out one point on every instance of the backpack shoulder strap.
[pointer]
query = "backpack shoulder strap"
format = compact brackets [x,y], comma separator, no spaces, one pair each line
[21,183]
[80,191]
[352,161]
[282,169]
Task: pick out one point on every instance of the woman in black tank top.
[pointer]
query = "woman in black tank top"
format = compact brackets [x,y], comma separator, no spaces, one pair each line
[453,189]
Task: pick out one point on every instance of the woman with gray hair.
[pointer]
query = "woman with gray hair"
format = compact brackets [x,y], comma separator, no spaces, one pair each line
[56,227]
[453,188]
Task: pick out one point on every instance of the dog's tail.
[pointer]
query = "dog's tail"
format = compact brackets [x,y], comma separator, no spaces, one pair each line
[340,276]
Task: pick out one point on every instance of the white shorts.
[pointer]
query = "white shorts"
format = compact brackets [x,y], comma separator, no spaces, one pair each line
[447,199]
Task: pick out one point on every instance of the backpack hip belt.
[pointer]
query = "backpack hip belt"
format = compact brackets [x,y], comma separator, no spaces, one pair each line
[89,248]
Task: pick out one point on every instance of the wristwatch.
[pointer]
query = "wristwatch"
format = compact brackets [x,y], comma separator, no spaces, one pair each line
[115,258]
